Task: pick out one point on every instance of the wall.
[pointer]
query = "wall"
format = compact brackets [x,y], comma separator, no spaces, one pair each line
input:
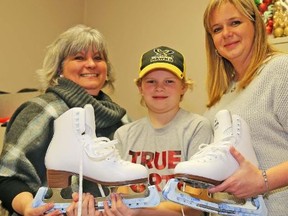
[27,27]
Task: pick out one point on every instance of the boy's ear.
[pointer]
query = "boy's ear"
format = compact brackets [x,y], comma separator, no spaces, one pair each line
[139,89]
[184,88]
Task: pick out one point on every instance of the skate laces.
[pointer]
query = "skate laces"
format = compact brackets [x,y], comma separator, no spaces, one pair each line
[99,148]
[102,148]
[214,150]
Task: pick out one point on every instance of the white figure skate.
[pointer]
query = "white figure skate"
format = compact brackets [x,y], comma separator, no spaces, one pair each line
[75,149]
[212,165]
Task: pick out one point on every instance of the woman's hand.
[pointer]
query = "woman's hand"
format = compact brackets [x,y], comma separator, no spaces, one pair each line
[39,211]
[22,203]
[246,182]
[88,206]
[118,207]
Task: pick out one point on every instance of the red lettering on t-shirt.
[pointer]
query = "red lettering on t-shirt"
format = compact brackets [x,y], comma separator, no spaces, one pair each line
[156,160]
[134,156]
[174,157]
[160,160]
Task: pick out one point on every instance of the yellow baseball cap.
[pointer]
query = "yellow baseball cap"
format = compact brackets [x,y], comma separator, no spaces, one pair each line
[162,58]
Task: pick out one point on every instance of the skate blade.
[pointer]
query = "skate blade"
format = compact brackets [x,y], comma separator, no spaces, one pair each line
[147,199]
[196,192]
[197,181]
[203,194]
[200,199]
[51,195]
[47,195]
[204,185]
[127,192]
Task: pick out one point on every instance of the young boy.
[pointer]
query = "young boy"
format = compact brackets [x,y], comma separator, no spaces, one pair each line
[169,134]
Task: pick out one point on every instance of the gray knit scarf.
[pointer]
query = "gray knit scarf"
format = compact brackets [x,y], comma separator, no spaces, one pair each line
[108,114]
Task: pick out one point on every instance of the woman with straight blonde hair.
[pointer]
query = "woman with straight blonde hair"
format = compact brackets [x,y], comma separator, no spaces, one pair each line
[249,77]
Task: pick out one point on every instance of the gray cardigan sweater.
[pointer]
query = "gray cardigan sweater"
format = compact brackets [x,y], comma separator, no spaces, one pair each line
[263,104]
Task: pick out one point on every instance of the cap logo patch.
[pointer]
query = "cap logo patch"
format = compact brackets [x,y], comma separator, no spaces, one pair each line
[162,55]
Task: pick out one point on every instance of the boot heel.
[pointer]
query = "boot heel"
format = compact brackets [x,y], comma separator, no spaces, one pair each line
[58,179]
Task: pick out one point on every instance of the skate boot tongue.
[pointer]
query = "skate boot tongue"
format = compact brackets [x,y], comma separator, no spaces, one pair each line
[222,125]
[223,139]
[90,126]
[97,148]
